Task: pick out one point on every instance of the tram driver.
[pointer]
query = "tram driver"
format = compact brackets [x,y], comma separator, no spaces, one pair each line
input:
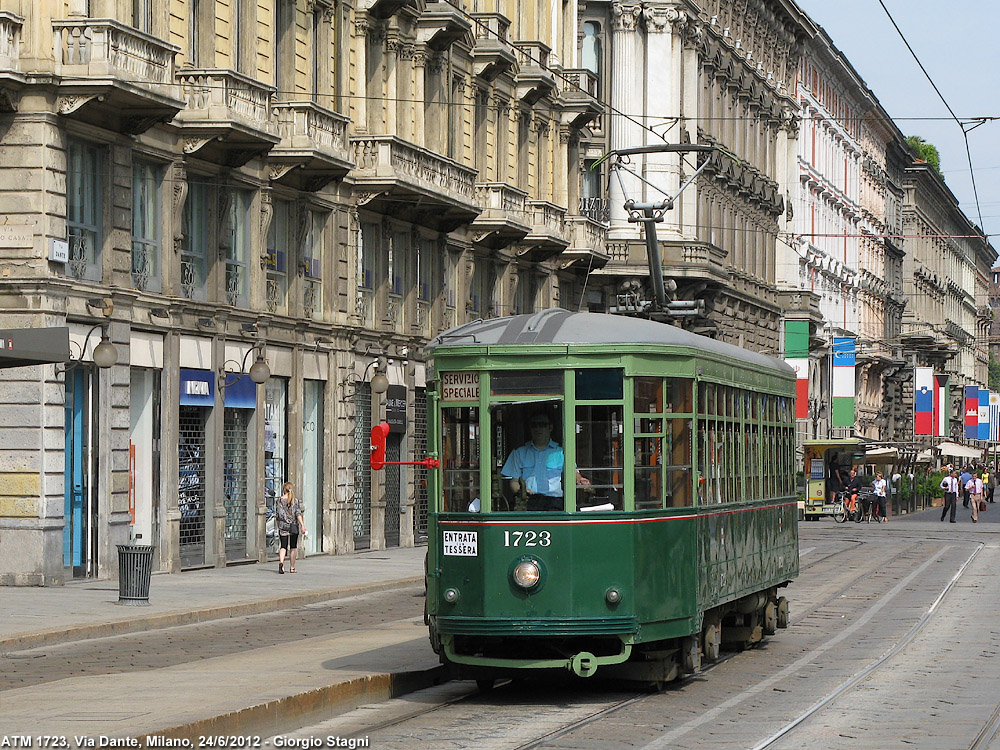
[536,468]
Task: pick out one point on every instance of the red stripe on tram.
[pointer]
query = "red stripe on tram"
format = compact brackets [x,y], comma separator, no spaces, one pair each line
[598,521]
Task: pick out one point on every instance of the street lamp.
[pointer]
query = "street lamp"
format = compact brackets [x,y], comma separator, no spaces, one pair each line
[259,371]
[105,354]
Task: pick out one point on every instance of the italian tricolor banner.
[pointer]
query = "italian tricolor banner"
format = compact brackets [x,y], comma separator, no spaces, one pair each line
[843,382]
[797,357]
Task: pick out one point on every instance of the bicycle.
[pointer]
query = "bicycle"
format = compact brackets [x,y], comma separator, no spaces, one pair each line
[841,511]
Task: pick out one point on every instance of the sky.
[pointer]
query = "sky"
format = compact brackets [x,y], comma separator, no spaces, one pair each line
[955,43]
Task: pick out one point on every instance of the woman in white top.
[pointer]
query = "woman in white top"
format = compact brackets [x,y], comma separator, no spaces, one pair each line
[880,486]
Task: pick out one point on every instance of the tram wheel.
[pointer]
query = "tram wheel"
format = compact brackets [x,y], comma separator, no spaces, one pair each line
[485,684]
[770,618]
[782,612]
[712,641]
[690,657]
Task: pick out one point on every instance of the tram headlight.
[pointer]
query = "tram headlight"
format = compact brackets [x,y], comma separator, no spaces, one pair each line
[527,574]
[452,595]
[612,596]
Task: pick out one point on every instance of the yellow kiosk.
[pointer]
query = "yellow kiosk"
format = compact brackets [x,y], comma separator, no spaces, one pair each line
[822,458]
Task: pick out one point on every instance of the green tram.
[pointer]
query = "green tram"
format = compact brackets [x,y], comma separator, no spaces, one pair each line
[679,525]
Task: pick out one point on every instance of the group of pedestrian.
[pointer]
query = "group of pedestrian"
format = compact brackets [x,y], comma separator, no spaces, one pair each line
[975,484]
[853,483]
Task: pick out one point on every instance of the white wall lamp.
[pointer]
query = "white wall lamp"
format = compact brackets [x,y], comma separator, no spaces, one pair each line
[105,354]
[259,371]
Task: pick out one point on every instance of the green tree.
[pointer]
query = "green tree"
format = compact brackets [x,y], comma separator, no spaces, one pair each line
[994,376]
[926,152]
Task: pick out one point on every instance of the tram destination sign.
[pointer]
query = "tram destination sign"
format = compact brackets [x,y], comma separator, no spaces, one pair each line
[459,386]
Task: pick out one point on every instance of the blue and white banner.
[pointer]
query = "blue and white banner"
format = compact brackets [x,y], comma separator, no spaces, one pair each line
[984,414]
[994,416]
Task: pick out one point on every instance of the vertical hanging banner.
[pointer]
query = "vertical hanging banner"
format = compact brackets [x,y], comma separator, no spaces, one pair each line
[984,414]
[972,412]
[801,367]
[994,416]
[923,400]
[941,405]
[797,357]
[844,388]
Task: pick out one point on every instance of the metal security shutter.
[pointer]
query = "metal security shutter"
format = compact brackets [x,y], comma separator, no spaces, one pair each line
[362,472]
[234,481]
[420,473]
[392,488]
[191,484]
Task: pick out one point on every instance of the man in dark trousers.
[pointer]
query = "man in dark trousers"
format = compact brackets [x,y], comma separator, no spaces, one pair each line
[964,479]
[951,489]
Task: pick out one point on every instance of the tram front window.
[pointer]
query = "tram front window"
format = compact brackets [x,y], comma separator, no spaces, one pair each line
[528,457]
[460,459]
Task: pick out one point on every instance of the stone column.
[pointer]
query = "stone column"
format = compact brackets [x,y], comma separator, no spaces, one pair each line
[627,68]
[662,104]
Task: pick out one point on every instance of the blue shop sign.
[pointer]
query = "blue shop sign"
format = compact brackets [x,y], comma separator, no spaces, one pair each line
[197,387]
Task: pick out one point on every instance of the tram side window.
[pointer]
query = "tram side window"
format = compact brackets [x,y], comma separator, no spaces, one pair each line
[678,452]
[648,408]
[460,459]
[600,435]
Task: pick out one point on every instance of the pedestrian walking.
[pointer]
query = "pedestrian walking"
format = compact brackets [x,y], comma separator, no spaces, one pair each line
[963,480]
[989,479]
[290,524]
[975,488]
[879,485]
[951,489]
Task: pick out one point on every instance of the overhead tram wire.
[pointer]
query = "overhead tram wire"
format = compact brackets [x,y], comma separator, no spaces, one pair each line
[965,126]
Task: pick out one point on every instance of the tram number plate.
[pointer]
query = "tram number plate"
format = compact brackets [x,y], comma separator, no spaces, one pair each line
[461,543]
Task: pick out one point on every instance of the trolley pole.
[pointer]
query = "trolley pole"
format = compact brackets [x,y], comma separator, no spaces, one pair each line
[650,214]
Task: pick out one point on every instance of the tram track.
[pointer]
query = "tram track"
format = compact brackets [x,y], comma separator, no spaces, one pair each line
[845,687]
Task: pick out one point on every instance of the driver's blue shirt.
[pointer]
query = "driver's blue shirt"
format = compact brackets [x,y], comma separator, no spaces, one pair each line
[541,470]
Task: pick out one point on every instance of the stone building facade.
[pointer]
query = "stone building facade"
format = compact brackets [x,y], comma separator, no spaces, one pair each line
[946,274]
[711,73]
[319,184]
[847,250]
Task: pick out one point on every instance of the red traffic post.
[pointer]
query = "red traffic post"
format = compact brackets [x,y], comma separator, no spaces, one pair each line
[379,433]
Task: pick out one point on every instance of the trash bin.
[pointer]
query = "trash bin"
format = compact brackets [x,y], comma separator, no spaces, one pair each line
[135,566]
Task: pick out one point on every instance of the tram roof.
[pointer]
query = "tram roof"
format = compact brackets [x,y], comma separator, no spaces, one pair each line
[563,327]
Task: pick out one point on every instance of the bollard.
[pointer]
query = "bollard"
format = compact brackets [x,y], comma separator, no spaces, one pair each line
[135,567]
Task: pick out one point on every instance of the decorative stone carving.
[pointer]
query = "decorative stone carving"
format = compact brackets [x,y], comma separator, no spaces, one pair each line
[178,178]
[625,17]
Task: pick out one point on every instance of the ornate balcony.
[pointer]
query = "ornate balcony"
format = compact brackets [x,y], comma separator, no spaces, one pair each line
[578,88]
[228,116]
[493,55]
[534,80]
[801,304]
[693,260]
[548,236]
[114,76]
[441,25]
[11,77]
[313,149]
[504,219]
[588,247]
[398,178]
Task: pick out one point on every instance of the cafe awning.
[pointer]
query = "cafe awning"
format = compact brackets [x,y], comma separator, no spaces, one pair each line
[955,450]
[881,455]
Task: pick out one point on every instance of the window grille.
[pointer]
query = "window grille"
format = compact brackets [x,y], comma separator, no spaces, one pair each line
[234,481]
[362,474]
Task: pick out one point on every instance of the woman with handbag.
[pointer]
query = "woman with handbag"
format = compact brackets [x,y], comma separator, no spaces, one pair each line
[290,525]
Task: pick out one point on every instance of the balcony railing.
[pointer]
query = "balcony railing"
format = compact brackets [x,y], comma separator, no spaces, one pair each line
[307,125]
[547,218]
[220,94]
[387,155]
[10,41]
[102,47]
